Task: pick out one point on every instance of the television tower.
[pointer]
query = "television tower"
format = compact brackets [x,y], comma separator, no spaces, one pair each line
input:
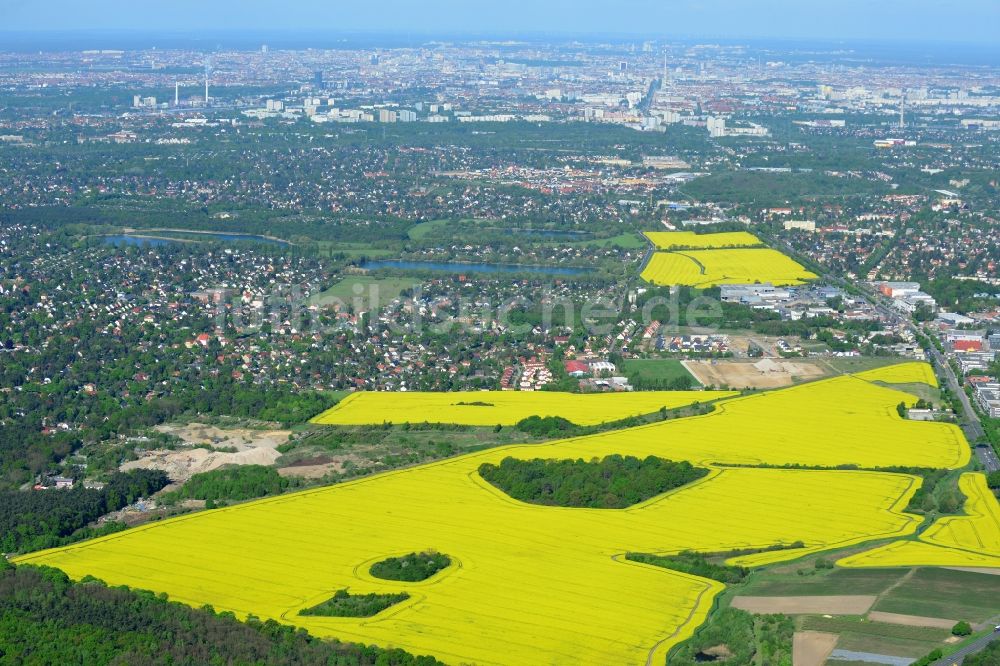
[902,110]
[208,66]
[666,74]
[177,93]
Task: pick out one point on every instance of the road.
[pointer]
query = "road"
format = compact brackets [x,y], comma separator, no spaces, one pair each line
[970,423]
[973,647]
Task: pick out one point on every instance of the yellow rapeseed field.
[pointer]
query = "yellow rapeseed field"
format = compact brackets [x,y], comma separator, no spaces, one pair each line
[669,240]
[488,408]
[547,585]
[972,540]
[708,268]
[843,420]
[901,373]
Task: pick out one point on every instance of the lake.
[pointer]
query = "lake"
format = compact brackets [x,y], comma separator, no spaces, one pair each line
[467,267]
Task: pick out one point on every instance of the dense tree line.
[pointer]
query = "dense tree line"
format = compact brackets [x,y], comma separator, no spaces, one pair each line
[961,295]
[345,604]
[235,483]
[776,189]
[643,383]
[46,518]
[748,638]
[693,563]
[47,619]
[614,482]
[410,568]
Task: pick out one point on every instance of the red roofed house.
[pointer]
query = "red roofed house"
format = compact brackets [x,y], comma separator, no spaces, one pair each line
[968,345]
[576,368]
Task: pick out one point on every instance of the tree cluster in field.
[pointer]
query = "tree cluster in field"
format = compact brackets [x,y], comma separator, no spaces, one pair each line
[614,482]
[33,520]
[547,426]
[693,563]
[962,628]
[233,483]
[747,639]
[410,568]
[345,604]
[47,619]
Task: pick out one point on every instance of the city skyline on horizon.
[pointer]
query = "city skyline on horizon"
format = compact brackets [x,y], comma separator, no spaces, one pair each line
[891,21]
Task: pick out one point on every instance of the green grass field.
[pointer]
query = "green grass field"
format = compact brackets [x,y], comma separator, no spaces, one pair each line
[424,229]
[656,369]
[628,241]
[929,393]
[955,595]
[822,582]
[328,248]
[899,647]
[365,289]
[849,364]
[859,626]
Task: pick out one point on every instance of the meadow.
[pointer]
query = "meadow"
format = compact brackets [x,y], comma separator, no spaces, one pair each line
[670,240]
[489,408]
[709,268]
[543,584]
[359,291]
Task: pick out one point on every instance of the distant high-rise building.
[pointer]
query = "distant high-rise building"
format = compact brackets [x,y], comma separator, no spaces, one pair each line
[374,59]
[407,116]
[386,116]
[318,79]
[623,67]
[263,48]
[716,126]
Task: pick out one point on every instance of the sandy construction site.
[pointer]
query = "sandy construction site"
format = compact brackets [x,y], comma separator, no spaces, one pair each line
[765,373]
[252,447]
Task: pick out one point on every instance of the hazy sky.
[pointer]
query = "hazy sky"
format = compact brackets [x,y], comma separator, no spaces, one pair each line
[910,20]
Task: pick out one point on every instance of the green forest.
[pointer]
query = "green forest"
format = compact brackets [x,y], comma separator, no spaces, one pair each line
[48,518]
[233,483]
[614,482]
[45,618]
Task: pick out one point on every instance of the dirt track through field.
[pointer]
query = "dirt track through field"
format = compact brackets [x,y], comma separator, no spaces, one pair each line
[811,648]
[849,604]
[911,620]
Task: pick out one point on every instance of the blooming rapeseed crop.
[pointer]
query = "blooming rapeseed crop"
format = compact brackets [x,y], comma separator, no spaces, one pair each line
[538,584]
[487,408]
